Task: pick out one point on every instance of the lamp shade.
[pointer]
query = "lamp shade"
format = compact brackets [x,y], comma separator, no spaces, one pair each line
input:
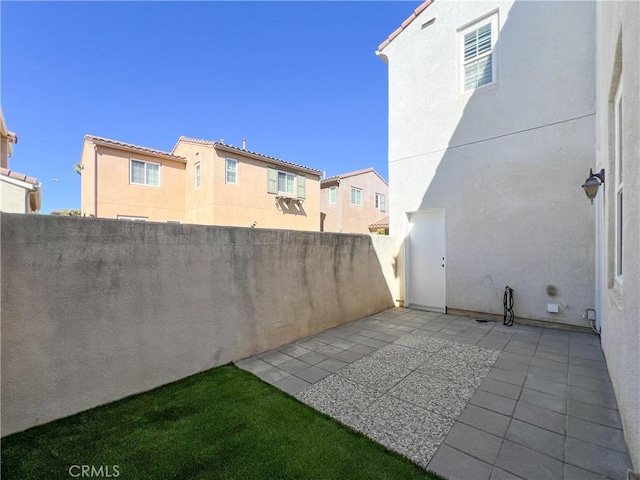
[591,186]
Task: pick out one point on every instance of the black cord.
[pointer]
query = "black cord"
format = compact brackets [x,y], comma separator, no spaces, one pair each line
[507,319]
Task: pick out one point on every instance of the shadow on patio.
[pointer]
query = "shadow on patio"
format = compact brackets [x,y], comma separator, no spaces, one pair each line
[462,398]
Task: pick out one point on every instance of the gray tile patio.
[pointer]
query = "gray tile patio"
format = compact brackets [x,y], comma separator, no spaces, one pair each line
[462,398]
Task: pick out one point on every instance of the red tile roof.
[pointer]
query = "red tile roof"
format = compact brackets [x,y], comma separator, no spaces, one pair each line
[242,151]
[353,174]
[18,176]
[136,148]
[405,24]
[380,223]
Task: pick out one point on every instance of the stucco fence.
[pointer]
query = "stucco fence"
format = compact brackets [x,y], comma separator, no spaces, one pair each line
[95,310]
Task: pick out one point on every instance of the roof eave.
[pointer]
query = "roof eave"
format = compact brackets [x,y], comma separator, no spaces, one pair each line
[137,150]
[402,27]
[274,161]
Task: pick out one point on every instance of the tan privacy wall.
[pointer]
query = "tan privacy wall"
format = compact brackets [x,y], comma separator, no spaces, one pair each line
[94,310]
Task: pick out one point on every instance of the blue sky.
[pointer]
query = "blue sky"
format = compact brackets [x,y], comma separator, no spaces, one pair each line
[299,80]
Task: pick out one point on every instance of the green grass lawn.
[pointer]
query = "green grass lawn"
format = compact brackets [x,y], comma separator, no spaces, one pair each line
[221,424]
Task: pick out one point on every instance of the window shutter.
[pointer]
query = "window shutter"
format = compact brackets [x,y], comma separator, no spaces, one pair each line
[478,60]
[301,186]
[272,180]
[383,206]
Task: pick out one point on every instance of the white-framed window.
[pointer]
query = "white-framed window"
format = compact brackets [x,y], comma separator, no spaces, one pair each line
[144,173]
[478,64]
[356,196]
[132,219]
[196,173]
[286,183]
[381,202]
[333,192]
[231,171]
[618,180]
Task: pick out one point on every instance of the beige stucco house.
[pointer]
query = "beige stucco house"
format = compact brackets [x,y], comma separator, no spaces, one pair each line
[19,193]
[353,201]
[199,181]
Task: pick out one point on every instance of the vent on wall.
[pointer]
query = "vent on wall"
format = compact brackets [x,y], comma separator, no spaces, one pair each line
[428,23]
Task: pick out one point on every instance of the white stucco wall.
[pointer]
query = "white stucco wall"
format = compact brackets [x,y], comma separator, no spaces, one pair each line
[618,43]
[506,161]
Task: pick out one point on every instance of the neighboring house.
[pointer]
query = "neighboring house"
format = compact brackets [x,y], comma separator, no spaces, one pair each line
[121,180]
[227,185]
[380,226]
[352,201]
[201,182]
[493,108]
[19,193]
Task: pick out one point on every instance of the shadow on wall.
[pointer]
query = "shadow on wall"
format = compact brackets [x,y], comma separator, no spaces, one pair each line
[94,310]
[290,206]
[509,175]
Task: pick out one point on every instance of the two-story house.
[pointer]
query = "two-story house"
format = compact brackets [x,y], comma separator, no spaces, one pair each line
[199,181]
[353,202]
[491,121]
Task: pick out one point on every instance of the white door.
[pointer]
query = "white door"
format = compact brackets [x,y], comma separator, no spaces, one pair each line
[426,260]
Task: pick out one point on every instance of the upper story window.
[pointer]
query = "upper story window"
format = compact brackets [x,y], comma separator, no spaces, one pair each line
[197,174]
[290,184]
[356,196]
[333,191]
[144,173]
[617,166]
[478,62]
[231,175]
[286,182]
[381,202]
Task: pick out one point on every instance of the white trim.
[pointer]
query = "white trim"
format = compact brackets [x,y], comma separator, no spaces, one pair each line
[226,170]
[351,196]
[197,174]
[131,182]
[284,193]
[618,183]
[19,183]
[493,20]
[333,189]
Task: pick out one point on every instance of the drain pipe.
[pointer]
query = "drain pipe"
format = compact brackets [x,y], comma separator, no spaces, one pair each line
[590,315]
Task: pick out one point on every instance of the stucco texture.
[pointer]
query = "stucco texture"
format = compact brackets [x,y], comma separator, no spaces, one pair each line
[94,310]
[617,58]
[504,161]
[13,198]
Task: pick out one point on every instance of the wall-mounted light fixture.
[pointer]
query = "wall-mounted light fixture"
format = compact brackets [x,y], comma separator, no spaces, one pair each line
[592,184]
